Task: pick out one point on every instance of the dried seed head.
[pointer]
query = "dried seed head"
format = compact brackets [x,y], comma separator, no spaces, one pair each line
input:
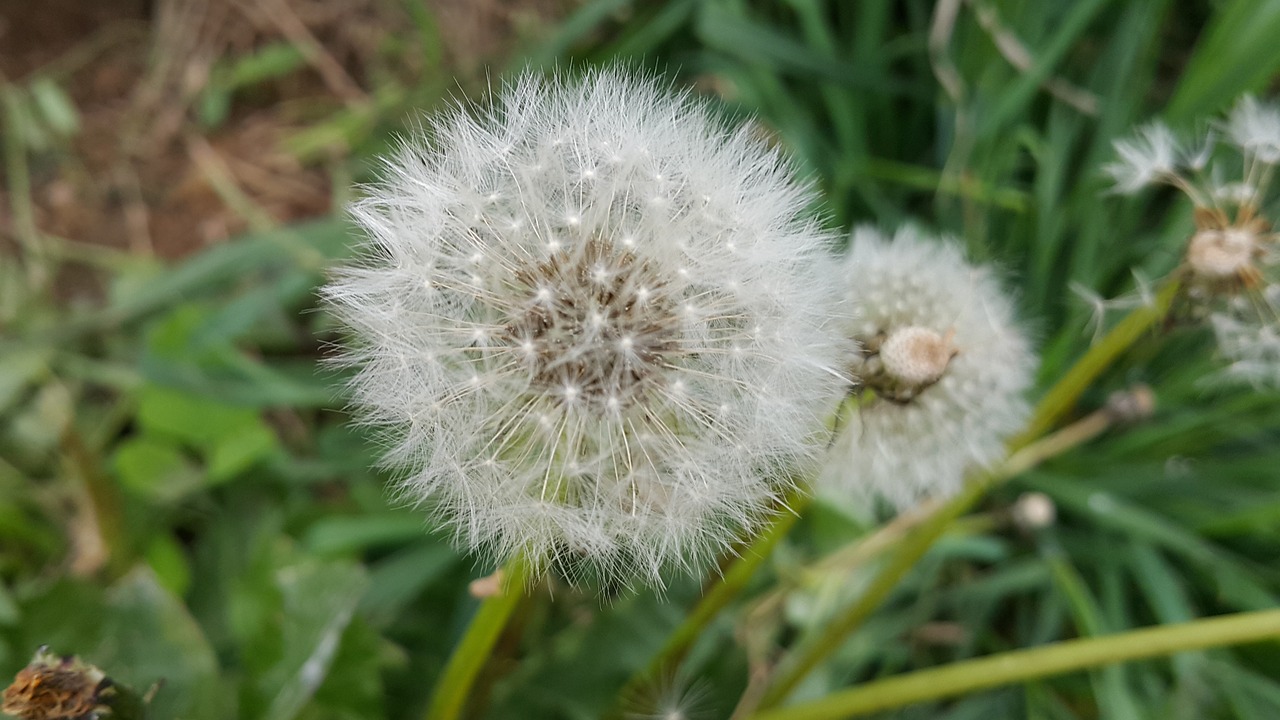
[52,687]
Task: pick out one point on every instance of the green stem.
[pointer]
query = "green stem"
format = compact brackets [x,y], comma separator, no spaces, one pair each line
[733,578]
[1022,665]
[731,582]
[1060,398]
[468,659]
[34,255]
[916,544]
[903,559]
[105,500]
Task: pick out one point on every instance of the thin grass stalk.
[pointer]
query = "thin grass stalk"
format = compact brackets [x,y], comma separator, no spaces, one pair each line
[970,676]
[1062,397]
[914,546]
[731,582]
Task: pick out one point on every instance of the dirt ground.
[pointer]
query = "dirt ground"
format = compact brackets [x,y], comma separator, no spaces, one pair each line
[143,173]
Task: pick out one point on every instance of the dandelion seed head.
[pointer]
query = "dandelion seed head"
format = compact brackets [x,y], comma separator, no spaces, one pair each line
[1232,269]
[943,364]
[605,390]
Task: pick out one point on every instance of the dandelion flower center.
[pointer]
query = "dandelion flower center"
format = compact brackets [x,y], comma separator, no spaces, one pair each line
[597,328]
[904,361]
[1222,254]
[917,355]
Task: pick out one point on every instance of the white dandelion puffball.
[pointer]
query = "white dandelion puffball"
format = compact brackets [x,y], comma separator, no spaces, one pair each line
[943,370]
[591,322]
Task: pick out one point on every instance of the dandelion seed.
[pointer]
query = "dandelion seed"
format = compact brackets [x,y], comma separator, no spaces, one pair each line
[670,698]
[1142,296]
[943,366]
[1254,127]
[596,418]
[1152,155]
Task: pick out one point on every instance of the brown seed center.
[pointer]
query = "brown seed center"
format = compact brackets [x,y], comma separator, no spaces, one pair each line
[899,365]
[1220,254]
[597,328]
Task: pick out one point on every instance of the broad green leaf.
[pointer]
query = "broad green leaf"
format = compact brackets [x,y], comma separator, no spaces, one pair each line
[155,468]
[240,449]
[203,423]
[148,636]
[168,560]
[135,631]
[318,601]
[336,535]
[18,370]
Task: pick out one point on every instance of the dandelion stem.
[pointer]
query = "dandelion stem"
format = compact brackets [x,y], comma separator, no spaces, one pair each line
[734,578]
[106,541]
[1030,664]
[468,659]
[34,253]
[916,544]
[735,575]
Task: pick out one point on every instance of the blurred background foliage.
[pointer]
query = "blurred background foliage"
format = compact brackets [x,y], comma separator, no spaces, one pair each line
[181,498]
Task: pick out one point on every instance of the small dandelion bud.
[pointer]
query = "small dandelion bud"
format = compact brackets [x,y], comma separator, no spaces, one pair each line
[1034,511]
[592,322]
[1133,405]
[943,369]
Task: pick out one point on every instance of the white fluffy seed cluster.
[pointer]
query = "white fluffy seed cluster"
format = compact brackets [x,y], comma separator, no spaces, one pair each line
[1248,338]
[1231,261]
[590,320]
[920,421]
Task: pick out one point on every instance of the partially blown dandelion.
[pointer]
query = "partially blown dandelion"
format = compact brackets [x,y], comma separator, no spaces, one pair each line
[1231,261]
[943,369]
[590,323]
